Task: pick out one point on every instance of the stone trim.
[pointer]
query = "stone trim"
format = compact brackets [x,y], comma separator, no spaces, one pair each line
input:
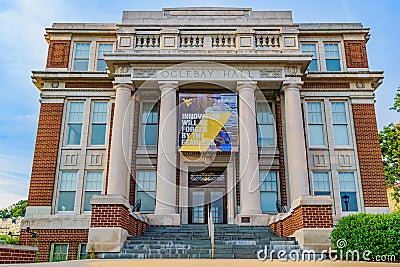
[369,156]
[58,54]
[46,153]
[356,54]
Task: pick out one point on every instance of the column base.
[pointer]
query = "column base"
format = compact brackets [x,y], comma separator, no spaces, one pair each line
[252,219]
[316,239]
[164,219]
[106,239]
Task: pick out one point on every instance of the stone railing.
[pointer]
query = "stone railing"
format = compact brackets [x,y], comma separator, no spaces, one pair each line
[264,41]
[223,41]
[147,41]
[191,41]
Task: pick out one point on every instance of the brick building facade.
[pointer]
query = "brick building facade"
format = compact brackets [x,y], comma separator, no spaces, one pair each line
[241,113]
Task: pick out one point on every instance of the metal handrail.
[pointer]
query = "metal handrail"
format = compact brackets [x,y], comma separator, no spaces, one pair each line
[211,231]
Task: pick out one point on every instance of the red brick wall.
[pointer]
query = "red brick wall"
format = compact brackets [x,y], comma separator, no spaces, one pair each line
[14,256]
[88,85]
[369,156]
[282,178]
[71,236]
[356,54]
[326,85]
[45,156]
[58,55]
[115,215]
[304,217]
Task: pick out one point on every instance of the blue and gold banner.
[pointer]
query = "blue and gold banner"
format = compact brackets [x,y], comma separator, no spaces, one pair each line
[208,122]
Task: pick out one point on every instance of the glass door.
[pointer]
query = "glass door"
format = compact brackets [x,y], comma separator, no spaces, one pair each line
[204,199]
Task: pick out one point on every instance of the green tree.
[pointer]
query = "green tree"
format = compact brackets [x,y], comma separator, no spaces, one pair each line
[16,210]
[390,147]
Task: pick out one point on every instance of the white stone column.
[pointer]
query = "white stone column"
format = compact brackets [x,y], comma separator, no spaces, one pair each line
[119,169]
[248,150]
[167,150]
[295,141]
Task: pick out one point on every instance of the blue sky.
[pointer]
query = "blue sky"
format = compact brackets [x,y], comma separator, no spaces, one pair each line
[23,48]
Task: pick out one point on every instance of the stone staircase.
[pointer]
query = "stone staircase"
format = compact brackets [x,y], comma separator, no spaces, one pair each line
[192,241]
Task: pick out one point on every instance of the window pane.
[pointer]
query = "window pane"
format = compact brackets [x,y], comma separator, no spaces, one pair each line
[60,252]
[66,201]
[88,196]
[148,200]
[100,112]
[104,49]
[347,181]
[82,50]
[266,135]
[146,181]
[81,64]
[349,201]
[313,65]
[82,252]
[101,65]
[74,134]
[332,51]
[268,201]
[98,134]
[333,65]
[150,113]
[94,181]
[321,182]
[75,112]
[340,134]
[150,134]
[339,112]
[314,112]
[68,181]
[316,135]
[264,113]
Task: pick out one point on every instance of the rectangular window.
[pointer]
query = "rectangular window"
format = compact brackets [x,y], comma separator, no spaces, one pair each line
[348,191]
[149,123]
[99,123]
[265,122]
[101,50]
[81,57]
[59,252]
[75,118]
[268,191]
[315,124]
[146,190]
[332,57]
[93,186]
[321,183]
[67,191]
[311,49]
[339,119]
[82,254]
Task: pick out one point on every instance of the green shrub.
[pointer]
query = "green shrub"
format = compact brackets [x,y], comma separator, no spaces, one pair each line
[6,239]
[379,234]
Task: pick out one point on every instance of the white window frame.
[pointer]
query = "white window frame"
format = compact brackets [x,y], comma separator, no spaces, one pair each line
[273,124]
[348,125]
[67,123]
[316,58]
[329,181]
[137,185]
[97,53]
[323,123]
[141,123]
[339,58]
[59,190]
[51,259]
[86,190]
[99,123]
[278,198]
[357,192]
[75,58]
[78,255]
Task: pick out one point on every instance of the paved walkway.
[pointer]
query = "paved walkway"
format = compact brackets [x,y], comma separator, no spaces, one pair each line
[199,263]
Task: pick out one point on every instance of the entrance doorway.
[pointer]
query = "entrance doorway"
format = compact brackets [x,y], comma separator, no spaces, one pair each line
[207,193]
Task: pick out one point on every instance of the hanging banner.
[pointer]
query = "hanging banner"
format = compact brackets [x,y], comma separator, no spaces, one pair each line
[208,122]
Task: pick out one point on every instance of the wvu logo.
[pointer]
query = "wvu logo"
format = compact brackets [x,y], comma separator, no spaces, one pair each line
[188,102]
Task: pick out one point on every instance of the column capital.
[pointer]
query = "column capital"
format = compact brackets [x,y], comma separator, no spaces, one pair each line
[292,85]
[246,85]
[168,85]
[124,86]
